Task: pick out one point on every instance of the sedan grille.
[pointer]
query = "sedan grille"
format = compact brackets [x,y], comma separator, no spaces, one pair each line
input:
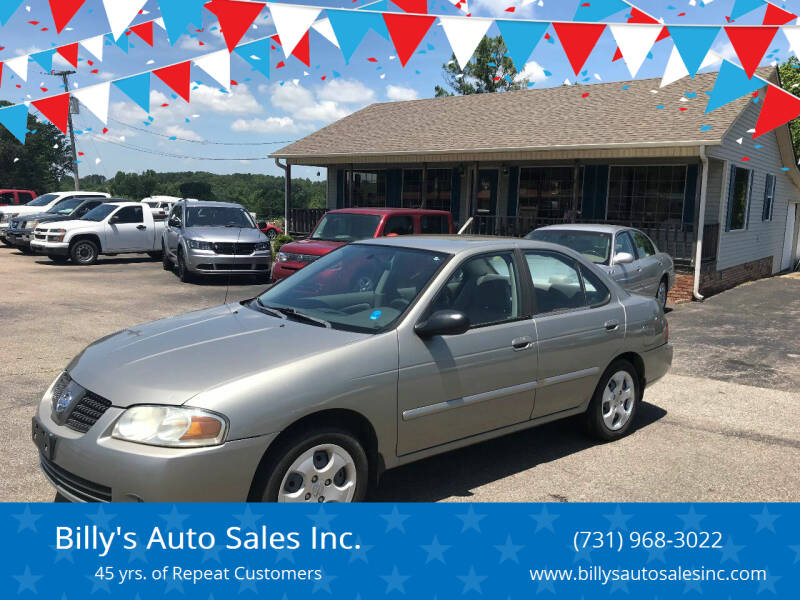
[87,412]
[81,488]
[233,248]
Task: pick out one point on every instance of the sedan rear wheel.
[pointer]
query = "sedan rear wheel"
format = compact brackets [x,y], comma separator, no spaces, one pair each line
[661,294]
[323,466]
[612,409]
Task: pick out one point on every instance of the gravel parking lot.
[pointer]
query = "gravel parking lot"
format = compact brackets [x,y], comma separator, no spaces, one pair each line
[722,426]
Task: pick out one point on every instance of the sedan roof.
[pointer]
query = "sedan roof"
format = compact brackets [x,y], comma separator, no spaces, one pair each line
[597,227]
[457,244]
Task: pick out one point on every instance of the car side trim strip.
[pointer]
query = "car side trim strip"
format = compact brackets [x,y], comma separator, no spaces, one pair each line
[432,409]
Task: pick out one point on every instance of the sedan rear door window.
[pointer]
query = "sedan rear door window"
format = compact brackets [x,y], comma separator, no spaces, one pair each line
[556,282]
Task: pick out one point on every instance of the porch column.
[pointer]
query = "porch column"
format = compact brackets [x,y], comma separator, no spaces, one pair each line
[424,194]
[576,171]
[287,196]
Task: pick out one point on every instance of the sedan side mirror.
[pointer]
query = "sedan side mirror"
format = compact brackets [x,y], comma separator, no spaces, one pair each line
[623,258]
[443,322]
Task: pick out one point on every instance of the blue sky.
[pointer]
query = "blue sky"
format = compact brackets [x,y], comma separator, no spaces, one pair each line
[296,100]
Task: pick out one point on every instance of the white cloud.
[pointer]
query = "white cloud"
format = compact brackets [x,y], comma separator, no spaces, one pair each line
[303,104]
[533,71]
[184,133]
[268,125]
[493,8]
[346,91]
[398,92]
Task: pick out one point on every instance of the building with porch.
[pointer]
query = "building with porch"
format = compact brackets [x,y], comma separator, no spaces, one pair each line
[722,204]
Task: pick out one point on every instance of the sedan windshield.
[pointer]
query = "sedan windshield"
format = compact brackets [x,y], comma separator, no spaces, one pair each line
[218,216]
[346,227]
[594,245]
[42,200]
[99,213]
[359,287]
[66,207]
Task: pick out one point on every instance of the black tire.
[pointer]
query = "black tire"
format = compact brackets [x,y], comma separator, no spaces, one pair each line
[60,498]
[58,258]
[184,274]
[165,261]
[272,234]
[25,249]
[154,255]
[595,424]
[282,457]
[84,252]
[662,300]
[6,242]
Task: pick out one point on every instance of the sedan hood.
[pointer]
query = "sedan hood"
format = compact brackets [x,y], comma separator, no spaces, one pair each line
[225,234]
[171,360]
[313,247]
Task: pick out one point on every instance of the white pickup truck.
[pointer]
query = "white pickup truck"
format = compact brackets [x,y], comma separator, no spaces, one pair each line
[116,227]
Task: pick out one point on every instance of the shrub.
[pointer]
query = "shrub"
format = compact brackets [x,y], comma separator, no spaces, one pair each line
[280,241]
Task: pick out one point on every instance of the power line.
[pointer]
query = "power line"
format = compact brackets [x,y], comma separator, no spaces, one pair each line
[204,142]
[174,155]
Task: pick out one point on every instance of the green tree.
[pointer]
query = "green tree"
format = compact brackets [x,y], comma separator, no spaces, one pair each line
[790,81]
[40,163]
[490,70]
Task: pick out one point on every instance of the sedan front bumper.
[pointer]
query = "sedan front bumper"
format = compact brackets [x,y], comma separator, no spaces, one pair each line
[96,467]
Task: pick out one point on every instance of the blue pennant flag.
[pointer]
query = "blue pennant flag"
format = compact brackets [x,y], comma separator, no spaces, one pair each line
[121,43]
[44,59]
[597,10]
[732,83]
[15,119]
[350,28]
[179,14]
[742,7]
[521,38]
[137,88]
[7,9]
[693,43]
[257,54]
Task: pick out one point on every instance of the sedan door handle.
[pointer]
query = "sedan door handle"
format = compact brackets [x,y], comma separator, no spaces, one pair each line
[522,343]
[141,227]
[611,325]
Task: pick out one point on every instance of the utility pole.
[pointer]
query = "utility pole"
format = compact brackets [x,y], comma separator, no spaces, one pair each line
[65,76]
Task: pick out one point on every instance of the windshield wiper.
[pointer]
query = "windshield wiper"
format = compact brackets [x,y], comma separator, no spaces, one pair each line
[270,310]
[299,315]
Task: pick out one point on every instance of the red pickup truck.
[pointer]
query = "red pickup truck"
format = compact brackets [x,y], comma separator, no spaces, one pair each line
[339,227]
[15,197]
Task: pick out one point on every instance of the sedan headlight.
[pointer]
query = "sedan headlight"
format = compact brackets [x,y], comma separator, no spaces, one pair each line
[178,427]
[199,245]
[263,247]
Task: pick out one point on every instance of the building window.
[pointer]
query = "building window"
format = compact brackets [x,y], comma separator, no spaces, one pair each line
[546,193]
[646,195]
[439,186]
[369,189]
[769,198]
[739,198]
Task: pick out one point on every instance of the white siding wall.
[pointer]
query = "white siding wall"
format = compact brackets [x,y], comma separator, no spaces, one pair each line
[761,238]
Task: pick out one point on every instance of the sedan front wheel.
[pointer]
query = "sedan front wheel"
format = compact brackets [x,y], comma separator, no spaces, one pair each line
[327,465]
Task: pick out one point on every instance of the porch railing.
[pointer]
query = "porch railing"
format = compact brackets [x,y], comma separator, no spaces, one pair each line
[303,220]
[676,239]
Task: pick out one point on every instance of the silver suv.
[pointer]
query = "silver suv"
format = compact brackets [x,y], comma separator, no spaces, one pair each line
[214,238]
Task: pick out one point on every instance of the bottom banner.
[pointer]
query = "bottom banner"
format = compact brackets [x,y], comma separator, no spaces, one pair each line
[416,550]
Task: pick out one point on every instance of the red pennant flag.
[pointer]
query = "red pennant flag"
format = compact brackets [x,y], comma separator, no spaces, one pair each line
[178,78]
[302,51]
[750,43]
[144,31]
[779,108]
[663,35]
[63,11]
[777,16]
[413,6]
[637,16]
[617,55]
[578,41]
[55,109]
[1,74]
[235,18]
[70,53]
[407,32]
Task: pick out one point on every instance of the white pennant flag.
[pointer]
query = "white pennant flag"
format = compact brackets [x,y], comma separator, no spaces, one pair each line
[793,35]
[160,22]
[464,35]
[218,65]
[292,23]
[19,64]
[676,69]
[324,28]
[635,41]
[95,98]
[94,46]
[120,13]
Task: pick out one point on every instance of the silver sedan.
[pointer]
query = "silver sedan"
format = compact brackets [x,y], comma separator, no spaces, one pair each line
[635,263]
[309,391]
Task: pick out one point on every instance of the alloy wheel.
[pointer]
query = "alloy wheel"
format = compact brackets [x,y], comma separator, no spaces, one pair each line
[661,295]
[323,473]
[619,397]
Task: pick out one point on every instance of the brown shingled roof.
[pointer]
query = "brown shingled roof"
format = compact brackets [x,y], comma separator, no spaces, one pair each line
[619,114]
